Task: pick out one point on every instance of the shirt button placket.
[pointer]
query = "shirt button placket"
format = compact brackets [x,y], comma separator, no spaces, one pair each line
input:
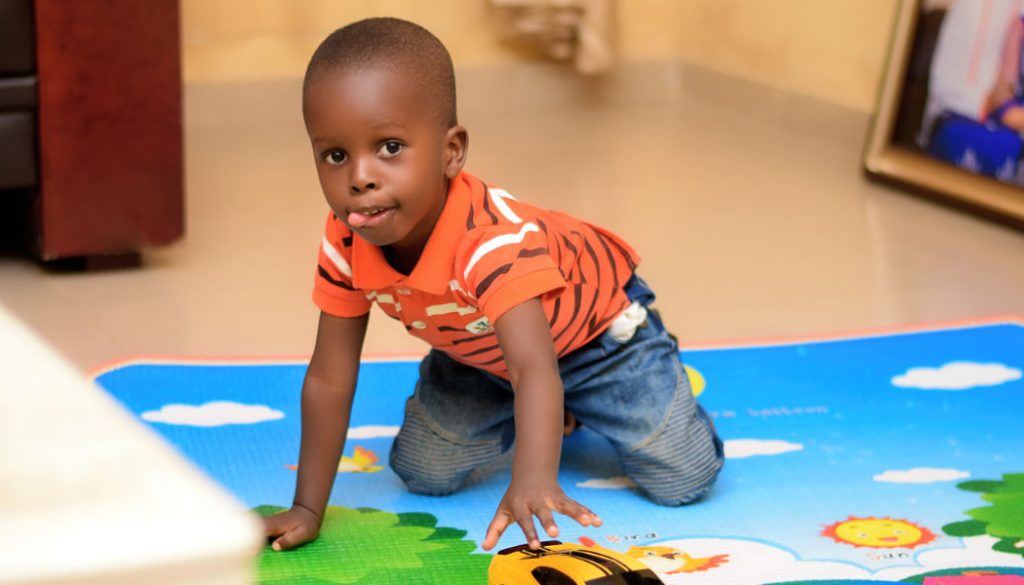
[402,291]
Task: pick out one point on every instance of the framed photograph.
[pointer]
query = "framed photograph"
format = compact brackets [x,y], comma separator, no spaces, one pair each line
[950,116]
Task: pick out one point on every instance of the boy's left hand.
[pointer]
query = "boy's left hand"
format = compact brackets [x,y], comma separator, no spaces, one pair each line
[524,500]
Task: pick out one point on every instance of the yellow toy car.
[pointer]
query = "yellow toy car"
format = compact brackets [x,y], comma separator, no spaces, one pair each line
[555,563]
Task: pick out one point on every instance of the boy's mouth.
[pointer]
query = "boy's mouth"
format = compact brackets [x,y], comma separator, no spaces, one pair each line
[369,216]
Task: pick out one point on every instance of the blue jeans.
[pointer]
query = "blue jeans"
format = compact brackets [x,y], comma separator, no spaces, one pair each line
[634,392]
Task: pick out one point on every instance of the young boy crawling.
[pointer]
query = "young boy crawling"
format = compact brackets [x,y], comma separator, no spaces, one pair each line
[528,311]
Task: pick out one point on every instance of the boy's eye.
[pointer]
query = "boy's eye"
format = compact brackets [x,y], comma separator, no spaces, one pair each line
[391,148]
[334,157]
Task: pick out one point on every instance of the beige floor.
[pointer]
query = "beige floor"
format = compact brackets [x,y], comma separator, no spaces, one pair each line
[748,205]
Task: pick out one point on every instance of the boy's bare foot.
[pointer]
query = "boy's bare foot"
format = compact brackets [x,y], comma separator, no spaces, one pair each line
[570,424]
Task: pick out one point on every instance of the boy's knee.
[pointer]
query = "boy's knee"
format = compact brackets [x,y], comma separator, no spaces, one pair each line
[421,478]
[431,462]
[684,488]
[674,477]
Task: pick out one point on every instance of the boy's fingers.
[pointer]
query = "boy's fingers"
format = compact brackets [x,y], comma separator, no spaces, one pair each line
[579,513]
[277,531]
[293,538]
[271,527]
[547,521]
[496,529]
[524,517]
[287,541]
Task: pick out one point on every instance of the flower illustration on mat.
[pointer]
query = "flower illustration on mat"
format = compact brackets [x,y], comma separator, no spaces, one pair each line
[361,462]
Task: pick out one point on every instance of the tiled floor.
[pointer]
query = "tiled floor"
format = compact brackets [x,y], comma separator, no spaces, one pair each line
[747,204]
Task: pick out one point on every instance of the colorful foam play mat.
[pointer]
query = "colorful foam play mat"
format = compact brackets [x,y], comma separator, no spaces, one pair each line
[881,457]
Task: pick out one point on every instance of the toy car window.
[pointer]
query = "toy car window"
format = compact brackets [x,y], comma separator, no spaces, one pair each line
[643,577]
[549,576]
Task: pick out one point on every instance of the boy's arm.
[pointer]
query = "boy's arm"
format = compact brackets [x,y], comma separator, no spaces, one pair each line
[525,338]
[327,393]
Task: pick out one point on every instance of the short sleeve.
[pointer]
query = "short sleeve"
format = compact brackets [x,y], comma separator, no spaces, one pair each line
[503,266]
[333,291]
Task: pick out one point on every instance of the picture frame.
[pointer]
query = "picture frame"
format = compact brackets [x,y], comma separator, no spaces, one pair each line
[901,146]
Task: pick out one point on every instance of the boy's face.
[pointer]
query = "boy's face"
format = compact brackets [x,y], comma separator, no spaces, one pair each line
[382,155]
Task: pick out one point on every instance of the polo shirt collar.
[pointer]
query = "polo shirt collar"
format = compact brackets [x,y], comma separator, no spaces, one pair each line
[433,271]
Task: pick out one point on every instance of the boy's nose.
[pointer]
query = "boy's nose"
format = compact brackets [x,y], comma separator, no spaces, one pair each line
[361,180]
[360,187]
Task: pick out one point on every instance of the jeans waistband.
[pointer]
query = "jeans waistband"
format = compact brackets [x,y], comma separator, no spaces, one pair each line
[636,289]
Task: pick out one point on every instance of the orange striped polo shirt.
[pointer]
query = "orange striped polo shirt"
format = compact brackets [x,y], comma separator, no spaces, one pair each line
[487,253]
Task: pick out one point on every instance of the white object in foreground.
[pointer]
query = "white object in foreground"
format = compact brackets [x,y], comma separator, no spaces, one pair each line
[89,495]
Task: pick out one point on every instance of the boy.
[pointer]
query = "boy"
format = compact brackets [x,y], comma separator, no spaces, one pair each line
[527,311]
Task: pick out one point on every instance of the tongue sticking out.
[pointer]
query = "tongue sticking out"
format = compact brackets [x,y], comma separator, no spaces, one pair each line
[357,220]
[370,217]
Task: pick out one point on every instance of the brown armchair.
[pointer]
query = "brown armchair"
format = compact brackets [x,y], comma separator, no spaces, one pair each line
[91,125]
[17,96]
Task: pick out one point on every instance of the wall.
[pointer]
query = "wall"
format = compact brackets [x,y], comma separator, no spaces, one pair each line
[259,39]
[829,49]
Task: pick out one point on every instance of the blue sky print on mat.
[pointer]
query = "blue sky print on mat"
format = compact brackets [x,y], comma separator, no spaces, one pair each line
[880,427]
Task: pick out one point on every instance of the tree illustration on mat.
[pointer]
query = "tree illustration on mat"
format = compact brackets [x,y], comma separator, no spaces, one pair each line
[1003,518]
[367,546]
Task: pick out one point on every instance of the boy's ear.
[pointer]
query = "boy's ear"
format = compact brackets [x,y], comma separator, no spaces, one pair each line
[456,149]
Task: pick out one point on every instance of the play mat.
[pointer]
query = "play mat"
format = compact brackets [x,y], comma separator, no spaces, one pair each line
[892,457]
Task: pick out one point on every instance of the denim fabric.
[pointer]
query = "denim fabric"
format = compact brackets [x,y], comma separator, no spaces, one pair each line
[634,393]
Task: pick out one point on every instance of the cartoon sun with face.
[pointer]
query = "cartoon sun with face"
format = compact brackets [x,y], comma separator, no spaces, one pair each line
[879,533]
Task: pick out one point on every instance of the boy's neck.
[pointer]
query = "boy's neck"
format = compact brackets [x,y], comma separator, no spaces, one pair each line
[402,261]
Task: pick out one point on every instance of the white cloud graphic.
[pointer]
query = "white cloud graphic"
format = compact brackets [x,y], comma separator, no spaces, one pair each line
[976,552]
[752,562]
[740,448]
[212,414]
[957,376]
[758,562]
[372,432]
[921,475]
[612,483]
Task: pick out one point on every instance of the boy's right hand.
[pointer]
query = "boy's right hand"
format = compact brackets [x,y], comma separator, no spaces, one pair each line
[292,528]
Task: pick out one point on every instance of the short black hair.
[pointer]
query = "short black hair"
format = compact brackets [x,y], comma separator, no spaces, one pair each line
[390,43]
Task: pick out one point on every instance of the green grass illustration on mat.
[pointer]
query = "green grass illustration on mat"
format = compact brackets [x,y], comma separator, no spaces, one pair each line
[373,546]
[1002,519]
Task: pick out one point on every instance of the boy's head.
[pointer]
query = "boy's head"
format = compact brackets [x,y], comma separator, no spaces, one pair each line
[379,104]
[389,44]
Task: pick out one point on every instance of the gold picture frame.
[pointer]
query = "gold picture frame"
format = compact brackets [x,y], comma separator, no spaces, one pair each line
[891,154]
